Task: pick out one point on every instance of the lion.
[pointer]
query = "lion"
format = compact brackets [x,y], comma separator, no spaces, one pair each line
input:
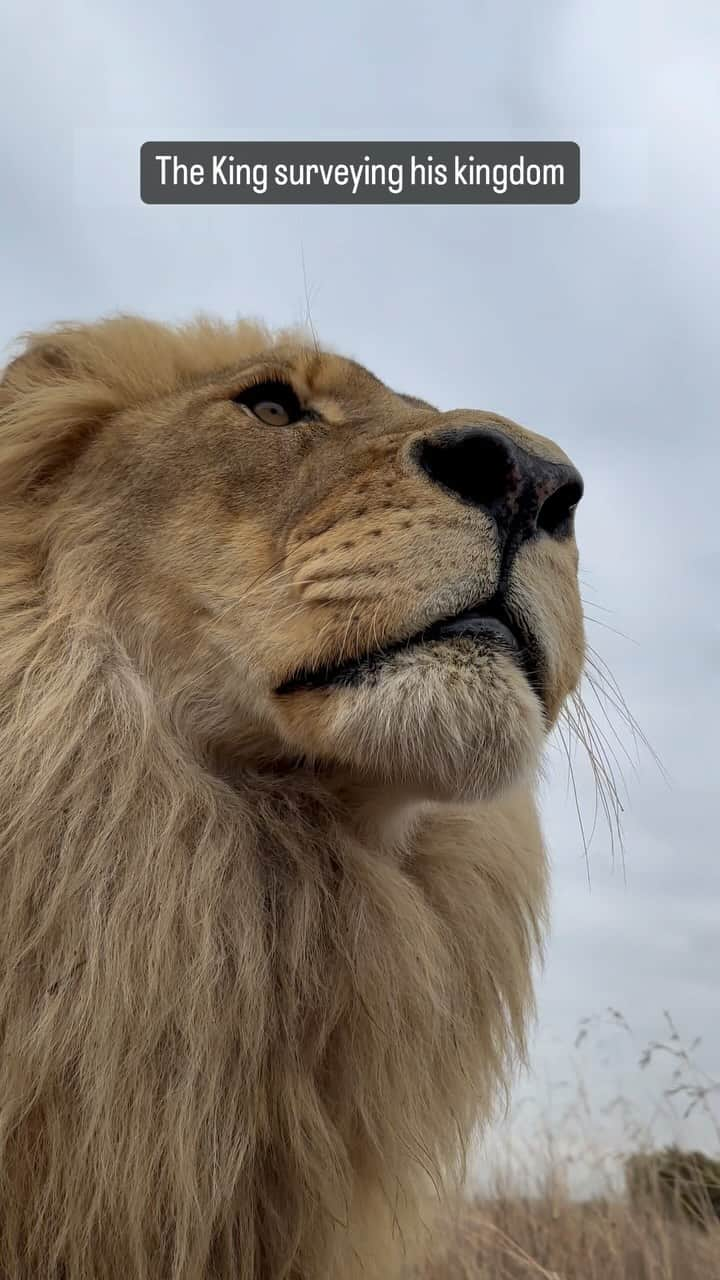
[280,650]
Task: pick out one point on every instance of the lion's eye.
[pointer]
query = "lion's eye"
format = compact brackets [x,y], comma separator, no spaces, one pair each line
[274,403]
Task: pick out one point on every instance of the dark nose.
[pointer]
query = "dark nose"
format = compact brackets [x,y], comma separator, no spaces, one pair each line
[485,468]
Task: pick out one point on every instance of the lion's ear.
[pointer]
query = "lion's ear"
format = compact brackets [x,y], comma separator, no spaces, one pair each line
[49,408]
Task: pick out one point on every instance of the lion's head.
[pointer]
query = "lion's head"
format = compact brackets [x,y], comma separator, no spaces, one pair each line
[326,568]
[279,648]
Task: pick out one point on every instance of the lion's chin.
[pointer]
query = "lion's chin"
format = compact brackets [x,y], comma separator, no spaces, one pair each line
[448,722]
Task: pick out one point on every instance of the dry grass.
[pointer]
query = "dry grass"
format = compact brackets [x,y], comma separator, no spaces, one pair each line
[556,1238]
[550,1234]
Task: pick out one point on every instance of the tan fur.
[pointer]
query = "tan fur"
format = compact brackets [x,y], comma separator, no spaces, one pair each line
[266,962]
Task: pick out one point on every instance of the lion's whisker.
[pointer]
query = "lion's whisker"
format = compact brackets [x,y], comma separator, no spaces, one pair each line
[595,604]
[598,734]
[606,787]
[597,622]
[601,697]
[578,810]
[603,673]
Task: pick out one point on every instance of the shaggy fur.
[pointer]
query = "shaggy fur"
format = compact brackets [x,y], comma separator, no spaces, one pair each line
[266,960]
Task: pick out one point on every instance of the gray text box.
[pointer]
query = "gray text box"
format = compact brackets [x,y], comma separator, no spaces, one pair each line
[360,172]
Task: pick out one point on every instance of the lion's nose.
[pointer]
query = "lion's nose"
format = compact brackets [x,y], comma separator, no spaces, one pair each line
[484,467]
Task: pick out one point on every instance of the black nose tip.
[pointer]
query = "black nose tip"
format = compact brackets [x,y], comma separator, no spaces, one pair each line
[523,493]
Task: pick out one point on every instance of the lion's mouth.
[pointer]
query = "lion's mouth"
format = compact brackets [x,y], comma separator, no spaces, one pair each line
[490,625]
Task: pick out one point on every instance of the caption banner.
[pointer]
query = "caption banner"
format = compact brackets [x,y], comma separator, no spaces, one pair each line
[360,172]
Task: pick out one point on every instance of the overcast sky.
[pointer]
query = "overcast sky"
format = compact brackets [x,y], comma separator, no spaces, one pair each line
[595,323]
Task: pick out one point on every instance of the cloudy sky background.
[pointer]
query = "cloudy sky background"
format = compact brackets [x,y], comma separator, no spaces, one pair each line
[596,324]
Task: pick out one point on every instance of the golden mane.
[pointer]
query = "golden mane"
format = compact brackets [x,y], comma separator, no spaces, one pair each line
[240,1037]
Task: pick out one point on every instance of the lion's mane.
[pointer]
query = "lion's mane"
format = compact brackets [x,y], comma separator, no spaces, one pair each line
[238,1038]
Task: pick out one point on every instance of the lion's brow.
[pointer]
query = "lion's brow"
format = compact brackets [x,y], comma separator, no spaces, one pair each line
[415,401]
[367,373]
